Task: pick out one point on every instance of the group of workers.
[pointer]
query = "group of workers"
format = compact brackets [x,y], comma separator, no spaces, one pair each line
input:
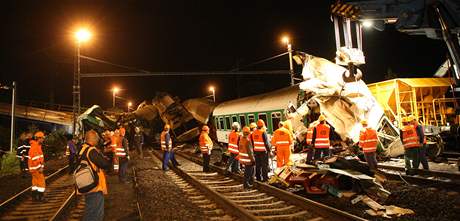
[412,135]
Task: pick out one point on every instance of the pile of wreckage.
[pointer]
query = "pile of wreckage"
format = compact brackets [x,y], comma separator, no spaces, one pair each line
[341,177]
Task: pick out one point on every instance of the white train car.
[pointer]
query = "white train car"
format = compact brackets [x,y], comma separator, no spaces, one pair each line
[270,107]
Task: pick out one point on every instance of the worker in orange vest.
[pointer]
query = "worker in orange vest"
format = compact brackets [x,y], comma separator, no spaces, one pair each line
[282,140]
[246,157]
[308,141]
[94,199]
[368,141]
[36,165]
[167,148]
[117,149]
[410,139]
[123,156]
[206,145]
[233,139]
[422,139]
[261,151]
[321,138]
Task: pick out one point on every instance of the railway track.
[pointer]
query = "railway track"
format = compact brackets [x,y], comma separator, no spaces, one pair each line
[227,200]
[445,180]
[59,195]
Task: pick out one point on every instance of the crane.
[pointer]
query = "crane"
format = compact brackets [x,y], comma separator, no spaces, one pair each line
[436,19]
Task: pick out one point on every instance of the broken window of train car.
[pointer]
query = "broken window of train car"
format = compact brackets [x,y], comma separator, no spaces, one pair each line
[251,118]
[227,122]
[221,123]
[276,118]
[242,121]
[234,119]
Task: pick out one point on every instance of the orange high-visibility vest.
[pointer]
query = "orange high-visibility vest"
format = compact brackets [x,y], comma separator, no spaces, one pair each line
[102,185]
[410,137]
[233,142]
[423,128]
[243,147]
[163,141]
[281,138]
[259,145]
[309,136]
[368,140]
[322,136]
[205,143]
[36,158]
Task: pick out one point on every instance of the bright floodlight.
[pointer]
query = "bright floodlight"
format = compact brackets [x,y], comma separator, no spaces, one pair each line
[130,104]
[211,88]
[285,40]
[115,90]
[82,35]
[367,23]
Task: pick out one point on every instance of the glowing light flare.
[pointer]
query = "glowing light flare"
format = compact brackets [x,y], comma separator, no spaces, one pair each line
[82,35]
[285,39]
[115,90]
[130,104]
[211,88]
[367,23]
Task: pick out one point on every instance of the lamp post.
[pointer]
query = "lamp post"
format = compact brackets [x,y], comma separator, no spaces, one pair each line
[13,88]
[213,90]
[286,41]
[129,104]
[115,90]
[82,35]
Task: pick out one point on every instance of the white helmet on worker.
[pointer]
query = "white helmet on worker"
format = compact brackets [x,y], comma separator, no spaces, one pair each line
[236,126]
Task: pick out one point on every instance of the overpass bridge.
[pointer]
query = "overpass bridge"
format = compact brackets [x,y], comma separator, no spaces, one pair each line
[49,113]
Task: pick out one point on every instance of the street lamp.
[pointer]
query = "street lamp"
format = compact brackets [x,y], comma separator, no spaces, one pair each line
[213,90]
[129,105]
[81,35]
[115,90]
[367,23]
[285,40]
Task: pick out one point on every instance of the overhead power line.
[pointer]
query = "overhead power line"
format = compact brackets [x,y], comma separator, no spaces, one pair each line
[215,73]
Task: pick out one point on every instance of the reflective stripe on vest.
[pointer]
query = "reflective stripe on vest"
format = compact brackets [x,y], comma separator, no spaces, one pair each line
[243,155]
[368,140]
[309,136]
[410,137]
[205,143]
[322,136]
[233,142]
[259,145]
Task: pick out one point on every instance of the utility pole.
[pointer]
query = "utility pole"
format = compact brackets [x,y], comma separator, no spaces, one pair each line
[76,89]
[13,113]
[291,67]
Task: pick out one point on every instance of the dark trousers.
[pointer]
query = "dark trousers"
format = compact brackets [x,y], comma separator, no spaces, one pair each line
[233,163]
[309,150]
[206,159]
[248,176]
[423,158]
[371,159]
[261,165]
[72,163]
[23,165]
[139,150]
[123,169]
[321,153]
[169,156]
[94,207]
[411,157]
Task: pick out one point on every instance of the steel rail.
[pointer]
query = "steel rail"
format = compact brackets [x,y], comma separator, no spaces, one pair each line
[307,204]
[11,199]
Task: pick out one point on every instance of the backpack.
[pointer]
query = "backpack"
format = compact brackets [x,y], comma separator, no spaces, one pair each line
[84,175]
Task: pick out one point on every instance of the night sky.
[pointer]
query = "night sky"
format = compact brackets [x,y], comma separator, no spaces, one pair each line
[37,49]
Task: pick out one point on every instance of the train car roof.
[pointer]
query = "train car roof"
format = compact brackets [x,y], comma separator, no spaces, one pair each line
[274,100]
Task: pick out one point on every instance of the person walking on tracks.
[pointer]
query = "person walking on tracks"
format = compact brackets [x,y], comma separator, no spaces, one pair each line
[368,141]
[282,141]
[138,141]
[246,157]
[167,148]
[206,145]
[23,152]
[71,153]
[321,138]
[411,143]
[422,140]
[123,157]
[94,198]
[36,166]
[233,139]
[261,151]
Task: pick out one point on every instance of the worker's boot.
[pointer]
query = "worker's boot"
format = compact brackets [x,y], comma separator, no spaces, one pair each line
[41,197]
[34,195]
